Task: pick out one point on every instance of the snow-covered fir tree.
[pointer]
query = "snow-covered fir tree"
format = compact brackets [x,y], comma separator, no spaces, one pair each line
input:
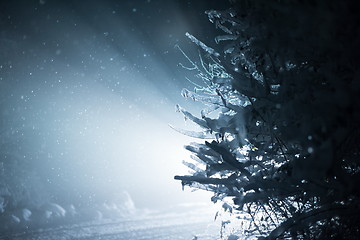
[283,149]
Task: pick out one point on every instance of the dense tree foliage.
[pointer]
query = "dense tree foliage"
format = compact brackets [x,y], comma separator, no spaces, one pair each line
[283,145]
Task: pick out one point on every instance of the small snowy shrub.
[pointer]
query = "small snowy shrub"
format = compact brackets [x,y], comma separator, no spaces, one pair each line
[283,150]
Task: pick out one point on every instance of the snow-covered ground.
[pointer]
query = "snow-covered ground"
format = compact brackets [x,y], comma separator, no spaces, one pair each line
[183,222]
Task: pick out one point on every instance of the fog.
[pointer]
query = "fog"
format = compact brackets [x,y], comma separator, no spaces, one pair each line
[88,90]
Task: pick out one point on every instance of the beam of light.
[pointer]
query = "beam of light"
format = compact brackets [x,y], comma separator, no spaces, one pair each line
[93,104]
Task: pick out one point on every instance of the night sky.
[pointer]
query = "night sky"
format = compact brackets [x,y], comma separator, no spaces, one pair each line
[88,90]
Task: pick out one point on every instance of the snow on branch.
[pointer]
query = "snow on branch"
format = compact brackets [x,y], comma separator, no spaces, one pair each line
[202,45]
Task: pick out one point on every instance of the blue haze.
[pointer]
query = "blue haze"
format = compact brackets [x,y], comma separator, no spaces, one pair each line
[88,89]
